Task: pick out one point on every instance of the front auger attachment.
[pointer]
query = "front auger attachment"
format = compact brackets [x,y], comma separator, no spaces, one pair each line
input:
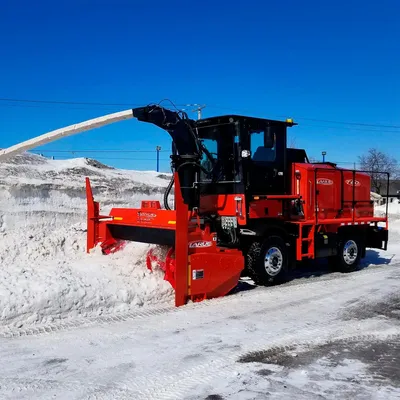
[195,266]
[168,265]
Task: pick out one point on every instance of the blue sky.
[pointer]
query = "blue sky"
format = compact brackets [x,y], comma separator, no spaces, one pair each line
[328,61]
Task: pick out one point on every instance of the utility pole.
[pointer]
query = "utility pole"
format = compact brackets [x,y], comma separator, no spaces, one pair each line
[198,109]
[323,156]
[158,149]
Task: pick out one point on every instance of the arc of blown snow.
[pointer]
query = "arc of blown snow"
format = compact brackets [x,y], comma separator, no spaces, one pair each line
[65,132]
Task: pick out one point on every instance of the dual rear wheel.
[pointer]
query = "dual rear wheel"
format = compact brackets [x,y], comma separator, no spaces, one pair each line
[268,261]
[349,254]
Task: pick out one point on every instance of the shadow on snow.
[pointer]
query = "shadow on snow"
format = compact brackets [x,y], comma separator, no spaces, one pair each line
[319,268]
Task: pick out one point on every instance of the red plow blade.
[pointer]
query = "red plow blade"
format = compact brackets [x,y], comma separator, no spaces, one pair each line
[167,265]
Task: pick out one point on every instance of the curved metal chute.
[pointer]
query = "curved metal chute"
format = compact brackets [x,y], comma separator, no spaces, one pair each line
[180,128]
[65,132]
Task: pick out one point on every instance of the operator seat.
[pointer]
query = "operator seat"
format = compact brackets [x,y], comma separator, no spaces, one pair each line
[264,154]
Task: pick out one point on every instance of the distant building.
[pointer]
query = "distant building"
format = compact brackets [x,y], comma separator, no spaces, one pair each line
[394,192]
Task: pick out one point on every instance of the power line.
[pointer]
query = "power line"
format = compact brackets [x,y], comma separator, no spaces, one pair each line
[103,104]
[199,109]
[116,158]
[52,106]
[161,159]
[98,151]
[350,123]
[86,103]
[71,152]
[312,119]
[67,102]
[348,128]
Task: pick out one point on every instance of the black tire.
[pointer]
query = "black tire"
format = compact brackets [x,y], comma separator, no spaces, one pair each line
[277,268]
[349,255]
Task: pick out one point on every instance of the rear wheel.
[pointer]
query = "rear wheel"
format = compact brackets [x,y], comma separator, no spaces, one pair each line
[349,255]
[267,262]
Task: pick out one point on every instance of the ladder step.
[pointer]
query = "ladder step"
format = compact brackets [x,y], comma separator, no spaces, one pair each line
[306,255]
[307,240]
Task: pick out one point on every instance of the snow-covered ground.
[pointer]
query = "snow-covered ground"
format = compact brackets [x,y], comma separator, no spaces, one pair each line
[78,326]
[329,337]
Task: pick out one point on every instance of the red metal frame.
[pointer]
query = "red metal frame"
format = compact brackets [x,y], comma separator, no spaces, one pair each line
[181,246]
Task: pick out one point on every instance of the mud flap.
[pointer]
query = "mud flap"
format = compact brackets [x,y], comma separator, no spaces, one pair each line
[377,238]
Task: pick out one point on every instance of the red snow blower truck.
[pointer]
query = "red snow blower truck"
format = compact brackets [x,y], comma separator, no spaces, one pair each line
[244,204]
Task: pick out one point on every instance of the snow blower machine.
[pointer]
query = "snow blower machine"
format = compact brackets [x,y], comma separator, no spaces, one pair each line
[244,204]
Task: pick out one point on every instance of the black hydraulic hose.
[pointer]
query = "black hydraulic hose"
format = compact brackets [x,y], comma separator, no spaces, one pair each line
[184,164]
[167,192]
[196,164]
[172,181]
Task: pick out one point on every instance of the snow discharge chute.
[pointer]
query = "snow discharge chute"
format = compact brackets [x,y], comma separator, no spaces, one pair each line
[65,132]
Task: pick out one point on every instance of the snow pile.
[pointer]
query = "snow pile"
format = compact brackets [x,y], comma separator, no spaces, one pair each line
[394,220]
[393,210]
[31,185]
[45,272]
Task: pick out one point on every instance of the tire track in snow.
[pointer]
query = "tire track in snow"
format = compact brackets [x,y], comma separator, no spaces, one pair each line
[303,335]
[43,385]
[153,312]
[225,368]
[83,323]
[178,385]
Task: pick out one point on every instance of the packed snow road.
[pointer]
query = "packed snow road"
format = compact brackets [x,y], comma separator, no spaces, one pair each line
[299,340]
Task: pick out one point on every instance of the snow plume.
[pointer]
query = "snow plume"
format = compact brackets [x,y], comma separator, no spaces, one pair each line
[45,271]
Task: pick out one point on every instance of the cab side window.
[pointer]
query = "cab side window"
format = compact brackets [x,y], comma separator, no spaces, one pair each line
[263,146]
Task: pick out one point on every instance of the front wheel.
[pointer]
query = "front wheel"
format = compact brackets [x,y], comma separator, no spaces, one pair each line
[267,262]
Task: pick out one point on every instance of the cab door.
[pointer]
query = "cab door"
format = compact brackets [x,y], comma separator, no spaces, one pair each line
[267,172]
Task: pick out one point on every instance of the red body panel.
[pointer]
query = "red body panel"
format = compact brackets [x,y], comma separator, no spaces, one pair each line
[331,198]
[165,219]
[327,193]
[266,209]
[225,205]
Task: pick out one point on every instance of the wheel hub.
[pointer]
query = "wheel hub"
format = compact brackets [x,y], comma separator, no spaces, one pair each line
[273,261]
[350,252]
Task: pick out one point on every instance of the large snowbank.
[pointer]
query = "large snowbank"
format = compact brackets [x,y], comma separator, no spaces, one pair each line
[48,275]
[45,272]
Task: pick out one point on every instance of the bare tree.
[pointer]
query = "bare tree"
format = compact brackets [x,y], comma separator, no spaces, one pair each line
[292,143]
[313,160]
[376,161]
